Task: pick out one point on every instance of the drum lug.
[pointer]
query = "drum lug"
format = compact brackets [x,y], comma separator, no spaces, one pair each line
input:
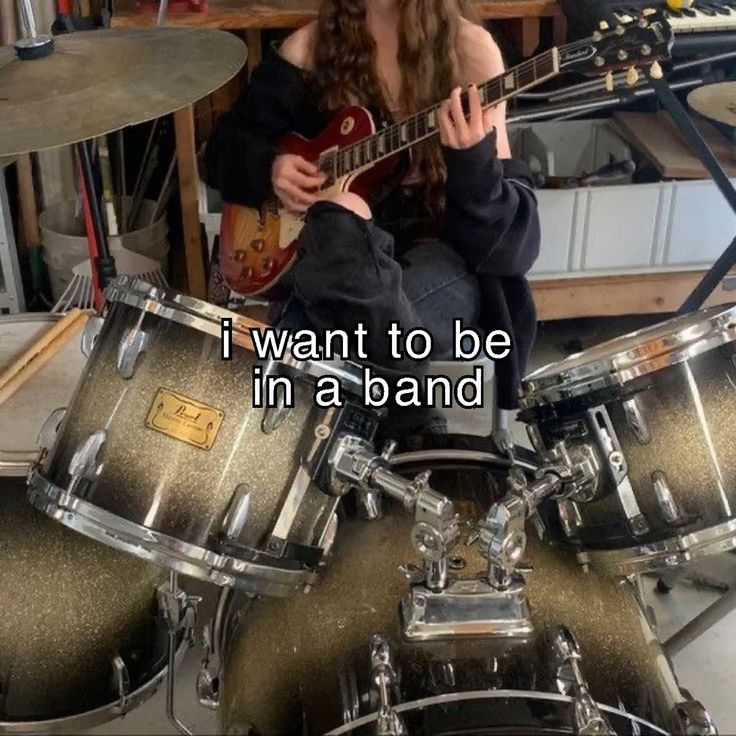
[274,416]
[588,718]
[50,429]
[86,464]
[635,420]
[132,344]
[237,512]
[665,499]
[618,470]
[570,517]
[690,717]
[385,683]
[90,334]
[121,683]
[208,677]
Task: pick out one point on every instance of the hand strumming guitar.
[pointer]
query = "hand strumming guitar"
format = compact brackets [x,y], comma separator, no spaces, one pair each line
[459,131]
[296,182]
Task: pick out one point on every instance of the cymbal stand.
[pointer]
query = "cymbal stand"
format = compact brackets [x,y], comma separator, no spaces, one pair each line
[700,148]
[34,46]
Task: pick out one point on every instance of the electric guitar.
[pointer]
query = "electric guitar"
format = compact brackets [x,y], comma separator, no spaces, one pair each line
[258,246]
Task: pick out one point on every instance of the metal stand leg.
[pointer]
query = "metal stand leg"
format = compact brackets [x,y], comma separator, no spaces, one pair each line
[104,263]
[695,140]
[179,611]
[701,623]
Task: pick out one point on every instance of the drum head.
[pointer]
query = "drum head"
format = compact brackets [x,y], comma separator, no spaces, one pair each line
[23,414]
[629,356]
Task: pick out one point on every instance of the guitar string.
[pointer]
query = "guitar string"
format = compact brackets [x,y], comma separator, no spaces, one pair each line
[398,135]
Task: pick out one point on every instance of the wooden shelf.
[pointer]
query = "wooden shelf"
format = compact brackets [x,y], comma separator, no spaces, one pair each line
[247,14]
[612,296]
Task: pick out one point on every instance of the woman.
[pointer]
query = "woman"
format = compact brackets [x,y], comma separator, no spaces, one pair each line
[453,241]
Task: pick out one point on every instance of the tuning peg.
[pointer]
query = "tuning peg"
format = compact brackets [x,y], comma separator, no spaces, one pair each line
[648,11]
[632,76]
[655,71]
[609,81]
[604,26]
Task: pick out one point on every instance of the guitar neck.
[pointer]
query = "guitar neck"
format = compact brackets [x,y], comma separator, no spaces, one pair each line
[424,125]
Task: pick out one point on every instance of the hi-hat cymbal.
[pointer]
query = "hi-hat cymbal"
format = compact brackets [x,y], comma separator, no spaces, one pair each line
[96,82]
[716,102]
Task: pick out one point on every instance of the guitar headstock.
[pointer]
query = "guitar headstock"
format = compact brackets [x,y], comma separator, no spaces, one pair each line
[645,40]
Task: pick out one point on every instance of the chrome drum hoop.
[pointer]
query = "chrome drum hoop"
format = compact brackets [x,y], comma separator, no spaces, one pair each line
[668,553]
[490,695]
[171,305]
[98,716]
[162,549]
[657,349]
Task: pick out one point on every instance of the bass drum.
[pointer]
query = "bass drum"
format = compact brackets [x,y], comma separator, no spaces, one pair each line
[305,665]
[80,639]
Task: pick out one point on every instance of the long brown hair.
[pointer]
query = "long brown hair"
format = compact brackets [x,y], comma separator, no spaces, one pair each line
[344,56]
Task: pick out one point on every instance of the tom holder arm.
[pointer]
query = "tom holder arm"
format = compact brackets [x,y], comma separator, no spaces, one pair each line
[501,536]
[354,464]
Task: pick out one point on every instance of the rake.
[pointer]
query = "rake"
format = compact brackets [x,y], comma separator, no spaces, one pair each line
[81,291]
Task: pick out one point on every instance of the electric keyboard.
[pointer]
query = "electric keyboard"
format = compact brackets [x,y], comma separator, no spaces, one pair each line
[708,25]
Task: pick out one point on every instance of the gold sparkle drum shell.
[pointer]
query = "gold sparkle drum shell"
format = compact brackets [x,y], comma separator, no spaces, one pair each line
[81,640]
[302,666]
[657,407]
[162,453]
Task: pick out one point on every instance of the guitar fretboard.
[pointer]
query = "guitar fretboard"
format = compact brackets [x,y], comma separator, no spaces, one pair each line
[421,126]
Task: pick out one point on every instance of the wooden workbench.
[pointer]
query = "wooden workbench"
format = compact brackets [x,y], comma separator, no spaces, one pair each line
[251,17]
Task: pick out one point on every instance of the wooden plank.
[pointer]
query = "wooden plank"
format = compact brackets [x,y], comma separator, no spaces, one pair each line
[189,196]
[657,137]
[610,296]
[243,14]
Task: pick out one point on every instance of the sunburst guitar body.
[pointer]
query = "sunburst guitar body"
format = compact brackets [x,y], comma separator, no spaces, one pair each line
[258,246]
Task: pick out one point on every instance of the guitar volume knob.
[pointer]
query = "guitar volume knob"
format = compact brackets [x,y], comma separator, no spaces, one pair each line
[266,265]
[258,245]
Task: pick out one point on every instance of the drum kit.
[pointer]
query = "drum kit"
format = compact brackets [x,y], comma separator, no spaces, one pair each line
[361,590]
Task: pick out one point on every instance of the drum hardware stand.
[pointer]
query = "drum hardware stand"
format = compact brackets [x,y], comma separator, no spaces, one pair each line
[571,474]
[35,46]
[388,721]
[588,719]
[208,677]
[180,613]
[31,46]
[697,143]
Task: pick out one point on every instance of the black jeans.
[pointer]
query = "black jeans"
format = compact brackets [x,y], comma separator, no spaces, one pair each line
[346,273]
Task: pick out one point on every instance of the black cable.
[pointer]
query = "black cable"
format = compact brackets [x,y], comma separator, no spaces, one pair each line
[104,263]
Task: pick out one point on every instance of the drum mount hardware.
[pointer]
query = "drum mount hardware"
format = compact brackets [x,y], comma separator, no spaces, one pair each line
[180,614]
[589,719]
[388,721]
[437,607]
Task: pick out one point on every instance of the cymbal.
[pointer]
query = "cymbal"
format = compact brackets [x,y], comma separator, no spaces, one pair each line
[716,101]
[96,82]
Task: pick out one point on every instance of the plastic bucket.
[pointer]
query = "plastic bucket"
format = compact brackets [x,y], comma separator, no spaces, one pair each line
[65,244]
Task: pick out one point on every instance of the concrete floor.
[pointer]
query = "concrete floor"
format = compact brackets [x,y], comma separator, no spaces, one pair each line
[707,667]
